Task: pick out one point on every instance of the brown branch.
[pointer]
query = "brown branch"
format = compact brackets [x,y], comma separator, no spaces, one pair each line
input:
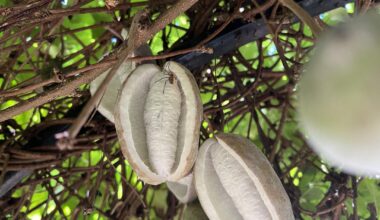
[139,36]
[201,49]
[103,64]
[257,10]
[63,90]
[279,132]
[302,15]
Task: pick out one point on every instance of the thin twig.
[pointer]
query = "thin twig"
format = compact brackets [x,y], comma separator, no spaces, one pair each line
[302,15]
[139,59]
[139,35]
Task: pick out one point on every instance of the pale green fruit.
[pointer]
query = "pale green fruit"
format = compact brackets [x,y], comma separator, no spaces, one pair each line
[339,102]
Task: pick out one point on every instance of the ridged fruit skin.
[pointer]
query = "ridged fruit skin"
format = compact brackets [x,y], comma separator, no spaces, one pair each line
[184,189]
[258,173]
[107,104]
[130,126]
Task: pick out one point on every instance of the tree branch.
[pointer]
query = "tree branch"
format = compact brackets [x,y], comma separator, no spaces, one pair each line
[302,15]
[139,36]
[221,45]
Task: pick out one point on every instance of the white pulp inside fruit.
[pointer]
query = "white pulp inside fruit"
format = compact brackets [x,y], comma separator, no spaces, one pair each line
[238,185]
[161,117]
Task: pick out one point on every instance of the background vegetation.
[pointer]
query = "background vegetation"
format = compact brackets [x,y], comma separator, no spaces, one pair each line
[250,90]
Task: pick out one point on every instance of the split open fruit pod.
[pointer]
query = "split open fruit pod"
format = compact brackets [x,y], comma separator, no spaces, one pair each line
[339,96]
[157,118]
[107,104]
[234,180]
[184,189]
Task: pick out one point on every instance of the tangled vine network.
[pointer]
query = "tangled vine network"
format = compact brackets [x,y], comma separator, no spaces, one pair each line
[246,56]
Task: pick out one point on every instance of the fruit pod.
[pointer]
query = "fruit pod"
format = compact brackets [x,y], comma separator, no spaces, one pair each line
[157,119]
[234,180]
[194,211]
[183,189]
[338,96]
[107,104]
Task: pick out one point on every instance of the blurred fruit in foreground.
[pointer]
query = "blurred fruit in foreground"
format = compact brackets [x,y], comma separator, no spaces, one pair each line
[339,104]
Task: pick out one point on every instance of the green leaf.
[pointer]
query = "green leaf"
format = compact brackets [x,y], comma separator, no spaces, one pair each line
[368,192]
[249,51]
